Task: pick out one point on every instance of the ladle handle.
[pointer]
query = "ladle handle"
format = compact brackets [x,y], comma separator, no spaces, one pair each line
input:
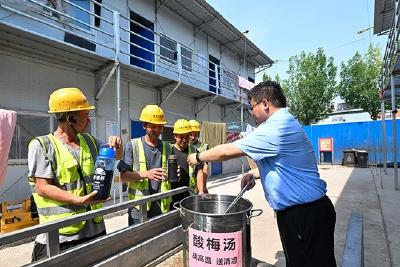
[239,196]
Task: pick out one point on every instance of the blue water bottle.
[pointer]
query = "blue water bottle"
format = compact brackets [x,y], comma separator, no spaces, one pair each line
[103,173]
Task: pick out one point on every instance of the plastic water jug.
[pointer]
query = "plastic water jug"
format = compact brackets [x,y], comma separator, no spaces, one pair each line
[103,173]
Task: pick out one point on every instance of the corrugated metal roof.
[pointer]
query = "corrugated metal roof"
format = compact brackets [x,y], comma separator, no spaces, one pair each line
[206,19]
[383,18]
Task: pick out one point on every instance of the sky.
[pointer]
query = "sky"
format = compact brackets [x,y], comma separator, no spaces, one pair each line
[284,28]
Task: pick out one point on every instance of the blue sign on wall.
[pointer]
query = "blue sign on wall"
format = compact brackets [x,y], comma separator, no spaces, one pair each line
[137,129]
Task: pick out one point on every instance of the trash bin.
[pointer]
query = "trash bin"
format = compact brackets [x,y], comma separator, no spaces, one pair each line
[362,159]
[349,157]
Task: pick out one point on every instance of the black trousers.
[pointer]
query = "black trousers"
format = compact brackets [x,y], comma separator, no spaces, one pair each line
[307,233]
[40,252]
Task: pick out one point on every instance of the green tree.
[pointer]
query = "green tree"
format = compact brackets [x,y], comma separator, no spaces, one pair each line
[359,81]
[310,86]
[266,77]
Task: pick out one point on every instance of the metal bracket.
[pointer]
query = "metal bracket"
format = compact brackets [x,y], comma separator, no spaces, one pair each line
[199,28]
[228,45]
[233,110]
[143,212]
[170,93]
[208,103]
[107,80]
[53,245]
[161,4]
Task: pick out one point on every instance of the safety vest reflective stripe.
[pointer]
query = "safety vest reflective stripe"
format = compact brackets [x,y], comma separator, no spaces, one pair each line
[68,179]
[192,175]
[74,185]
[203,147]
[56,210]
[137,190]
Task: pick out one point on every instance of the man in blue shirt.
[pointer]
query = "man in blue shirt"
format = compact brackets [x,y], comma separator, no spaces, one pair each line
[288,171]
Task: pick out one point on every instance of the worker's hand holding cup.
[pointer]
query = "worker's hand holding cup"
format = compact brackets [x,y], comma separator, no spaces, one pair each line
[191,160]
[116,143]
[157,174]
[248,178]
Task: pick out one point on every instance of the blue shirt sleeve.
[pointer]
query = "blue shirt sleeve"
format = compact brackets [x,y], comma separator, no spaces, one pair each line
[261,143]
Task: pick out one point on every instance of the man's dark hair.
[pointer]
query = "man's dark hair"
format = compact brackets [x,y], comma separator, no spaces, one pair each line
[270,91]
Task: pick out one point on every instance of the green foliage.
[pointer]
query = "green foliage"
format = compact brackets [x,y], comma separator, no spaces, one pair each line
[359,81]
[266,77]
[310,86]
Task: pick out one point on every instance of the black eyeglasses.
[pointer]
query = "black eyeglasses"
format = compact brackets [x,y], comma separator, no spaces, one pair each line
[253,106]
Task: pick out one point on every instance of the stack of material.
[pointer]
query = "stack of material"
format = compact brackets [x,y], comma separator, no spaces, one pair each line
[16,215]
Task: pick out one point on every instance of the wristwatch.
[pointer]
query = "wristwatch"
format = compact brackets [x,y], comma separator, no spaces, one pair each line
[198,157]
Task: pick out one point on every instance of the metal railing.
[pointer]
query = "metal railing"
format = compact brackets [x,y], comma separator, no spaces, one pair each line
[122,38]
[391,50]
[51,228]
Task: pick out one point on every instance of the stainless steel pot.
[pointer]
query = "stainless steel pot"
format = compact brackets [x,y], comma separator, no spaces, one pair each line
[206,228]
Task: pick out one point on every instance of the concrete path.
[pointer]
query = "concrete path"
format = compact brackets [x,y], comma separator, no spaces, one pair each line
[350,189]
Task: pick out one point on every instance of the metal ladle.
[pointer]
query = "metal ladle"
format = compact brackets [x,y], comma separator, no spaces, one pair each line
[239,196]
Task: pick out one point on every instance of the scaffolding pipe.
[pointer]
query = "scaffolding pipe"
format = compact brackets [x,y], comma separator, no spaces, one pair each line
[118,86]
[394,111]
[241,123]
[384,146]
[179,62]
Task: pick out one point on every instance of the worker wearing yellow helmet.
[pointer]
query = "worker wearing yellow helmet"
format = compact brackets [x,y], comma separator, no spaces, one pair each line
[144,165]
[61,166]
[189,176]
[194,140]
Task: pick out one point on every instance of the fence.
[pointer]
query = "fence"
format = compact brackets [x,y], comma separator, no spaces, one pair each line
[355,135]
[127,38]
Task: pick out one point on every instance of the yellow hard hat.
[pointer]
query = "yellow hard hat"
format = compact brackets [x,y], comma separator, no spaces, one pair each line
[195,125]
[182,126]
[153,114]
[68,99]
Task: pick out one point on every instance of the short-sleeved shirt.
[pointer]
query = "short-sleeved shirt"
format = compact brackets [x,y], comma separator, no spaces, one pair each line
[153,155]
[153,160]
[286,161]
[43,166]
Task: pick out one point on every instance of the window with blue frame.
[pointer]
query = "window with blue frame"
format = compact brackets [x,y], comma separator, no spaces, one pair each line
[186,59]
[143,40]
[81,12]
[168,49]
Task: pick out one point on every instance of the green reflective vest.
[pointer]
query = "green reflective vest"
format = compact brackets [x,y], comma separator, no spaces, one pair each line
[192,174]
[138,189]
[202,147]
[68,179]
